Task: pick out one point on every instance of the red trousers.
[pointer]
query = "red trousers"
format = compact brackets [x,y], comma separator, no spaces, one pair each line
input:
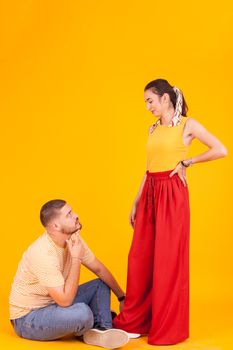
[157,294]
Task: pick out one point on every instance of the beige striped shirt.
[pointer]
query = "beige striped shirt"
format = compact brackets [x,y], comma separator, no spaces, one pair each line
[44,264]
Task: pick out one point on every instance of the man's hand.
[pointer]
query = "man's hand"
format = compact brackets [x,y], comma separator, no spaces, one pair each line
[121,305]
[64,295]
[75,247]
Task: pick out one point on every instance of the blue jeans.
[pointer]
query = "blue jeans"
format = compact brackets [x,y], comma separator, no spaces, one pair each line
[90,308]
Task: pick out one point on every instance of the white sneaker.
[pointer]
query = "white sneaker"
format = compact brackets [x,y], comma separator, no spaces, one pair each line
[133,335]
[109,339]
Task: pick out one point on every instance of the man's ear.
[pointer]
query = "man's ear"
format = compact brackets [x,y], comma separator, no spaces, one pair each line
[54,226]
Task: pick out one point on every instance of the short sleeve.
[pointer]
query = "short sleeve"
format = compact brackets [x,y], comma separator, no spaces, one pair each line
[88,254]
[47,270]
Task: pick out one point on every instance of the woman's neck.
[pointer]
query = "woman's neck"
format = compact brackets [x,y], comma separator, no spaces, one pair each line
[167,116]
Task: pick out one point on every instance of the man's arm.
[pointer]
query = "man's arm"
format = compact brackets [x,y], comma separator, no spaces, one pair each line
[98,268]
[65,294]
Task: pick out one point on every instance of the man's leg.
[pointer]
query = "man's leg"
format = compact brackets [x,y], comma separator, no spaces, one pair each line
[96,294]
[54,322]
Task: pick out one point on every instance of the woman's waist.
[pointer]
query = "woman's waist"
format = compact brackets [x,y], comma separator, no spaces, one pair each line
[160,174]
[161,164]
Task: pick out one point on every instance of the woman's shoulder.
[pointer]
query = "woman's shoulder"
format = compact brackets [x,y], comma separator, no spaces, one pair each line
[191,124]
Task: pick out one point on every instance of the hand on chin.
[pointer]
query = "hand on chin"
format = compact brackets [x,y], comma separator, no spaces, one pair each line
[77,231]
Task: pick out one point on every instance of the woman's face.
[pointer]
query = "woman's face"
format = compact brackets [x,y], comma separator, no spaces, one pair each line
[153,102]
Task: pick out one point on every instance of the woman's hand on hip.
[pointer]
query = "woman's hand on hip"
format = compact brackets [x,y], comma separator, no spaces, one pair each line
[180,170]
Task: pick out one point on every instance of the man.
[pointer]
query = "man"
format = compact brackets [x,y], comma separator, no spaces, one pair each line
[46,301]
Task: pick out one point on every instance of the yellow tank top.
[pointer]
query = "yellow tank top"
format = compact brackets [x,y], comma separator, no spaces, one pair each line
[165,147]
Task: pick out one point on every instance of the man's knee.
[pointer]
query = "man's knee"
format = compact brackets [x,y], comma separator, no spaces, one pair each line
[84,317]
[102,284]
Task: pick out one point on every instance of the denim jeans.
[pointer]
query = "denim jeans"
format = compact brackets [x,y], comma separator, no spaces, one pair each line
[90,308]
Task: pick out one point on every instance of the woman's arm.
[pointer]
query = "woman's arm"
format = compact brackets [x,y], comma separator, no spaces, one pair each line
[140,190]
[193,129]
[216,148]
[132,216]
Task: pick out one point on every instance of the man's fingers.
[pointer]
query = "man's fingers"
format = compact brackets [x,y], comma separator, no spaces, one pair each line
[73,241]
[69,244]
[76,241]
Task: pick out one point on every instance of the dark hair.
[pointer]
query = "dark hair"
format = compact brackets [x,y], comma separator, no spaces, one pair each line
[50,210]
[161,86]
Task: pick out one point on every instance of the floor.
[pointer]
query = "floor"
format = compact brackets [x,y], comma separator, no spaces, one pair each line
[211,328]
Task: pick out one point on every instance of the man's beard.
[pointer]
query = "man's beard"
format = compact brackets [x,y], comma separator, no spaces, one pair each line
[73,230]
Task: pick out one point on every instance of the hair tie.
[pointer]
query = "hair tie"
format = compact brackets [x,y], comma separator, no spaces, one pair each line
[176,120]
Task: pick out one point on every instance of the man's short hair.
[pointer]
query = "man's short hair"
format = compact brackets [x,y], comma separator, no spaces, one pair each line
[50,210]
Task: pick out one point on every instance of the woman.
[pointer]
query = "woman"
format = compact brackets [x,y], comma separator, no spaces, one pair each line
[157,296]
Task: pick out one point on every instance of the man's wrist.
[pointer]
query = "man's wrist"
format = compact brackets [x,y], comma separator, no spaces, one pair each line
[76,259]
[121,298]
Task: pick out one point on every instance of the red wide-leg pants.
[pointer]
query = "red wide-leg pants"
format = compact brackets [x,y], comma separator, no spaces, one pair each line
[157,294]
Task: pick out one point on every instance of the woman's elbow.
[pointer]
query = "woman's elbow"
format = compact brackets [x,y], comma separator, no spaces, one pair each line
[221,152]
[224,151]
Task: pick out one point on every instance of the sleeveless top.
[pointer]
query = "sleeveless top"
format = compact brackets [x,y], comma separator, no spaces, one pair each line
[165,147]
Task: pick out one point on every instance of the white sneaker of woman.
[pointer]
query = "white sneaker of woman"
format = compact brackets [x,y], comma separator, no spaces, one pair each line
[133,335]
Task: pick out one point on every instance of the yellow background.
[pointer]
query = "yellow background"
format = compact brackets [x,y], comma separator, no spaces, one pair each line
[74,126]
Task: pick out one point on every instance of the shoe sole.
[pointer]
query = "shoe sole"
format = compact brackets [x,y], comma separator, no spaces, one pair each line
[133,335]
[109,339]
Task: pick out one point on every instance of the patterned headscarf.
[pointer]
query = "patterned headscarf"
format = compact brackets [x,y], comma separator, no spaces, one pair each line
[176,120]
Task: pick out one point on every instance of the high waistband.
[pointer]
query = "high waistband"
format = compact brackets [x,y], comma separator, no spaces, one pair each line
[161,174]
